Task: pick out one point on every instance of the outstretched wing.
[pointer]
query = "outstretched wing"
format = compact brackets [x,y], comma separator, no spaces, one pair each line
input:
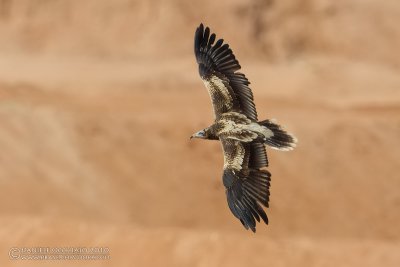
[229,90]
[246,188]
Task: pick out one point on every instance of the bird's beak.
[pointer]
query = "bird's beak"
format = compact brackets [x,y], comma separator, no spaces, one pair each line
[199,134]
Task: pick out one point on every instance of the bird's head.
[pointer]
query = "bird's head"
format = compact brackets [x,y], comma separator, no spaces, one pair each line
[200,134]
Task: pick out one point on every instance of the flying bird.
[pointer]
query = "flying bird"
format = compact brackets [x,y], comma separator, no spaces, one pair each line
[236,126]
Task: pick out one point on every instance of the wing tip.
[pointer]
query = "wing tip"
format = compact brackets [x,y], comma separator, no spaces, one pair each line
[200,28]
[245,204]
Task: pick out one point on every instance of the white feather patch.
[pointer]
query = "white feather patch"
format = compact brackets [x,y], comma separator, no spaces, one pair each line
[255,127]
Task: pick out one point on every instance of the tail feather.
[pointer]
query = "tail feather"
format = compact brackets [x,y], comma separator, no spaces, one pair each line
[280,139]
[244,193]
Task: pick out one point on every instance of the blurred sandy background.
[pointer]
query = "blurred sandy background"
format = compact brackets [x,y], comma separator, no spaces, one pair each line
[98,99]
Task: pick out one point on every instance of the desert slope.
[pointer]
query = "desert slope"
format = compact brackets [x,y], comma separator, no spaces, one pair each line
[130,245]
[98,100]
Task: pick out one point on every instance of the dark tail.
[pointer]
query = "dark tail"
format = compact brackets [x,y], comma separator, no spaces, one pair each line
[245,193]
[280,139]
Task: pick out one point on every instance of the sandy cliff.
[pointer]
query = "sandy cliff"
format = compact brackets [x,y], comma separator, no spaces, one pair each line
[98,100]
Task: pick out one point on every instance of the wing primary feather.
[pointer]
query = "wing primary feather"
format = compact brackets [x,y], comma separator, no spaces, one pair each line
[254,194]
[205,37]
[211,40]
[215,47]
[252,209]
[261,212]
[219,49]
[224,55]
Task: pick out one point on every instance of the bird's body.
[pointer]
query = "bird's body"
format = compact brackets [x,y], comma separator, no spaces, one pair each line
[236,126]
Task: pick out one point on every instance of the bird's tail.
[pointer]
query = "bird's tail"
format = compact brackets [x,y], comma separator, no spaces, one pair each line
[245,193]
[280,139]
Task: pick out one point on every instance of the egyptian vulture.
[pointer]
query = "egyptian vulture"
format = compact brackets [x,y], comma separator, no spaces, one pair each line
[236,126]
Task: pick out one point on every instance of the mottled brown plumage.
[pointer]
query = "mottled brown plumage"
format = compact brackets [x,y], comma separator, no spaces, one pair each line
[236,126]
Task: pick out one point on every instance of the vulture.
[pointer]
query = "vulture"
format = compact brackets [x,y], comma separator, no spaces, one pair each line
[243,137]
